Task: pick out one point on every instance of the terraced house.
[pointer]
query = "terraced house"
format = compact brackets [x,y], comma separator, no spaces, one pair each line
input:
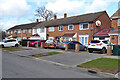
[23,31]
[79,28]
[115,33]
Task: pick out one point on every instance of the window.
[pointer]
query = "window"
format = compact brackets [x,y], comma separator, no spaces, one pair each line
[35,30]
[118,22]
[70,27]
[15,32]
[51,29]
[29,30]
[42,29]
[19,31]
[24,38]
[84,26]
[60,28]
[11,32]
[8,32]
[24,31]
[19,39]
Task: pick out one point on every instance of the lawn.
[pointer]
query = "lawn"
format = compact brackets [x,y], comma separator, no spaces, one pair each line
[103,65]
[15,49]
[46,54]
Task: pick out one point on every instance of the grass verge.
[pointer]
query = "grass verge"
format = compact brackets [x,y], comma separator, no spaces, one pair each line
[15,49]
[46,54]
[103,65]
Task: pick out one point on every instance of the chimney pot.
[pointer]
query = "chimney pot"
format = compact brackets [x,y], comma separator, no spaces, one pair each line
[55,17]
[65,15]
[37,20]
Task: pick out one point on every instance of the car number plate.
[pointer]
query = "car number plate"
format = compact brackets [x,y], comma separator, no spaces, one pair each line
[92,45]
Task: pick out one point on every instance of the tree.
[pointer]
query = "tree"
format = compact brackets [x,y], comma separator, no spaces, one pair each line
[44,14]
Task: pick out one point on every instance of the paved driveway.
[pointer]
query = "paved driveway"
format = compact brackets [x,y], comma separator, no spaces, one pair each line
[67,58]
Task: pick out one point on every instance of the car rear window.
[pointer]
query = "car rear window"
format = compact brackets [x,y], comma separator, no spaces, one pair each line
[95,41]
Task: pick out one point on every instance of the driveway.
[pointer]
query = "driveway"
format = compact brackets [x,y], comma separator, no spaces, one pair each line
[67,58]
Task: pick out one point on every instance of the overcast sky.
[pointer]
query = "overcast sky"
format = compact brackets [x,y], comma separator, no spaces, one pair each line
[14,12]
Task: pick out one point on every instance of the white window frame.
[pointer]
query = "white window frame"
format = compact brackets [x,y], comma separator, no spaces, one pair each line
[118,22]
[42,29]
[35,30]
[69,26]
[51,38]
[19,30]
[30,30]
[24,30]
[60,28]
[81,26]
[11,32]
[83,37]
[8,32]
[51,29]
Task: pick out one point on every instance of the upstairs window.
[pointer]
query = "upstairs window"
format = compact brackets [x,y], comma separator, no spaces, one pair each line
[29,30]
[8,32]
[35,30]
[42,29]
[84,26]
[24,31]
[51,29]
[70,27]
[15,32]
[118,22]
[11,32]
[19,31]
[60,28]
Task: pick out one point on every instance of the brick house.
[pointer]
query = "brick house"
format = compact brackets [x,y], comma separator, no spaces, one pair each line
[80,28]
[115,33]
[22,31]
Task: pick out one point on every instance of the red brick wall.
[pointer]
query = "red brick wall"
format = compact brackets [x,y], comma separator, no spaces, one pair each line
[27,34]
[115,24]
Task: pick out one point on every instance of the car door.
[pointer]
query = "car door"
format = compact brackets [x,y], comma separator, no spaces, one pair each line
[12,42]
[7,43]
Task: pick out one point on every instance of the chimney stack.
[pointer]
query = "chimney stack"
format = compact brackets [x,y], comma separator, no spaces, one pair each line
[55,17]
[37,20]
[65,15]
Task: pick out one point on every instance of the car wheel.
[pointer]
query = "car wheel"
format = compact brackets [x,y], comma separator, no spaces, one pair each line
[35,45]
[16,45]
[45,47]
[85,49]
[2,46]
[103,51]
[90,51]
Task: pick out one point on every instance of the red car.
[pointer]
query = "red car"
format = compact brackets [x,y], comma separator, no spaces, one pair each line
[34,44]
[50,44]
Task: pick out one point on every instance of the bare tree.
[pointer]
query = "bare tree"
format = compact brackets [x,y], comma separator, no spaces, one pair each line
[44,14]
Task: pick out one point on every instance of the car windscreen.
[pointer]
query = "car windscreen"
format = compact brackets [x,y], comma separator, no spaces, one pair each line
[49,41]
[95,41]
[36,41]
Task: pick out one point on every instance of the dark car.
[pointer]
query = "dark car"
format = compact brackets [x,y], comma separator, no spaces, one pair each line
[72,44]
[34,44]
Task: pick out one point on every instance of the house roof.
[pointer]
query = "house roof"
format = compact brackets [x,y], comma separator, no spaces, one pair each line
[103,32]
[24,26]
[71,20]
[63,21]
[68,35]
[117,13]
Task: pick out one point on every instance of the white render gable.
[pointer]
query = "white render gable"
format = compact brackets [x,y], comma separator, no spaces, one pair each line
[41,32]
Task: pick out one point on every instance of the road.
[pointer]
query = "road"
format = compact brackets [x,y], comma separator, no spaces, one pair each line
[21,67]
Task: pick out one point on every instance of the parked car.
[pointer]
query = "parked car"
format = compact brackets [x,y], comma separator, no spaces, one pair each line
[62,45]
[51,44]
[34,44]
[98,45]
[9,43]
